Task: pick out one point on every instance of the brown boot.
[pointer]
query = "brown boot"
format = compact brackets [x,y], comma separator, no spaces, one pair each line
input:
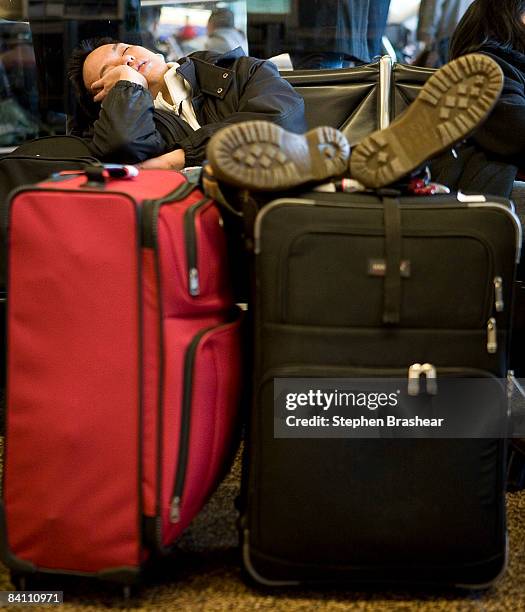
[450,106]
[261,156]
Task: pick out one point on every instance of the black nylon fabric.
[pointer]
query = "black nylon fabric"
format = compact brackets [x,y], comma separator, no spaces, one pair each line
[392,300]
[427,511]
[347,99]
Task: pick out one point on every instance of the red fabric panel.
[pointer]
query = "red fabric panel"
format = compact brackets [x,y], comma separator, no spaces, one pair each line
[148,185]
[151,365]
[75,369]
[214,414]
[212,257]
[215,294]
[71,486]
[178,334]
[185,316]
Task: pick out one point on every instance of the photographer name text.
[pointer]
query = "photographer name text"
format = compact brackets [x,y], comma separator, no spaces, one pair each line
[361,422]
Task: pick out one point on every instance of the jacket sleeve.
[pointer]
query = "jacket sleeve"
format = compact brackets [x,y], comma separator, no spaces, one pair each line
[125,131]
[502,133]
[264,95]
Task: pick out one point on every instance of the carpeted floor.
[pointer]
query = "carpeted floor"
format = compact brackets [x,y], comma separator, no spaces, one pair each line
[205,575]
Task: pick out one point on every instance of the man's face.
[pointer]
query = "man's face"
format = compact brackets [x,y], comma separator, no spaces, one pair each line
[151,65]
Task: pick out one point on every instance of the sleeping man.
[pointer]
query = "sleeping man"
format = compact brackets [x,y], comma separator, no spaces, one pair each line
[140,109]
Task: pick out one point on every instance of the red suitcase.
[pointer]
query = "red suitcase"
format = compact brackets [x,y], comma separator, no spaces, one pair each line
[123,370]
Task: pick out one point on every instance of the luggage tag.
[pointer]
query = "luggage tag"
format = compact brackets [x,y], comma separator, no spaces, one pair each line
[122,171]
[97,175]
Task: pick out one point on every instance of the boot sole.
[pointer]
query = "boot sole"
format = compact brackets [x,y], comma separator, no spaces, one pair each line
[261,156]
[451,104]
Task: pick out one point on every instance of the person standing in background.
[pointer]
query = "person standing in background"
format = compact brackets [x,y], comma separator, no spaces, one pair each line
[223,36]
[489,161]
[188,31]
[436,24]
[377,18]
[336,33]
[151,38]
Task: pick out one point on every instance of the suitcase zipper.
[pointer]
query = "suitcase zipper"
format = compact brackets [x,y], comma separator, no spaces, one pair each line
[182,462]
[191,247]
[151,209]
[414,374]
[498,294]
[150,215]
[492,336]
[415,371]
[150,230]
[492,328]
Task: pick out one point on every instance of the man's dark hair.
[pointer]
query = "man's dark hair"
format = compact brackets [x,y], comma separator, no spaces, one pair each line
[221,18]
[486,20]
[74,73]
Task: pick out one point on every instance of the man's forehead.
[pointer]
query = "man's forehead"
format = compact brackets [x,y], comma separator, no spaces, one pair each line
[100,53]
[95,60]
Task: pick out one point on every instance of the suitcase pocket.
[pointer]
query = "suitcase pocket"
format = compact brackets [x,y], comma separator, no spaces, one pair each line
[209,411]
[470,401]
[350,268]
[483,349]
[192,247]
[396,503]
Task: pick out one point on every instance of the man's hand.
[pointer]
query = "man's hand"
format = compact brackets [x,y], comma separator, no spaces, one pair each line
[102,87]
[174,160]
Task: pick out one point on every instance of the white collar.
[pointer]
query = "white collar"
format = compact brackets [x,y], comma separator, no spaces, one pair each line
[177,85]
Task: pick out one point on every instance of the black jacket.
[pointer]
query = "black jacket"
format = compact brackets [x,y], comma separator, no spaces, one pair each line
[227,88]
[503,133]
[490,160]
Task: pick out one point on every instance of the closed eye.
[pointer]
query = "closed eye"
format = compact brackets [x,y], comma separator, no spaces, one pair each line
[106,66]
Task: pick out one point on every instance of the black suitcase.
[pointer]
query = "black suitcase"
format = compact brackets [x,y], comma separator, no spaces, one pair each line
[327,305]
